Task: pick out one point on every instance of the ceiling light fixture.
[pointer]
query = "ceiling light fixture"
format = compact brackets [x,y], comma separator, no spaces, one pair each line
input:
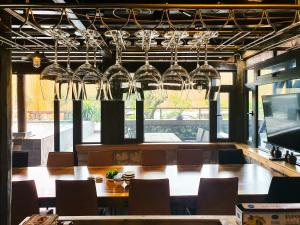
[36,58]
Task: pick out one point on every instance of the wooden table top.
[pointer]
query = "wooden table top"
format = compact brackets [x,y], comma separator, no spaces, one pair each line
[149,220]
[184,180]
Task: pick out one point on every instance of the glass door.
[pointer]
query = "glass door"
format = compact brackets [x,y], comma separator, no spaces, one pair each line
[223,116]
[220,125]
[250,118]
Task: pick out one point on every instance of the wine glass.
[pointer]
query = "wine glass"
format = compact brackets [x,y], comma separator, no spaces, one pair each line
[212,74]
[214,80]
[175,77]
[118,77]
[101,94]
[68,86]
[205,77]
[49,76]
[91,78]
[147,76]
[199,79]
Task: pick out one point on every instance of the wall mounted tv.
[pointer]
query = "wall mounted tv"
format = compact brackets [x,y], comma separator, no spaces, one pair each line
[282,118]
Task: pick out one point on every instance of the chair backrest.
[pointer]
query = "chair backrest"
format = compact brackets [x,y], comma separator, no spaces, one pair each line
[284,190]
[231,156]
[199,134]
[202,135]
[76,198]
[149,197]
[217,196]
[154,158]
[24,201]
[60,159]
[205,136]
[101,158]
[189,157]
[20,159]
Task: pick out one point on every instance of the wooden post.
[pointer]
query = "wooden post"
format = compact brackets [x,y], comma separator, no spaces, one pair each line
[56,107]
[112,122]
[77,128]
[21,98]
[5,122]
[240,108]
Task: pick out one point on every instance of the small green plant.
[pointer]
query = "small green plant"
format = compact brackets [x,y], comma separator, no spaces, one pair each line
[110,174]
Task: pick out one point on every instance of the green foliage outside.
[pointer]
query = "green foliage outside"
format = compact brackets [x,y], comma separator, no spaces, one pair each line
[91,111]
[178,102]
[153,101]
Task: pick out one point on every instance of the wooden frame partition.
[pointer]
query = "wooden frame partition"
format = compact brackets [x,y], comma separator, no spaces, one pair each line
[129,154]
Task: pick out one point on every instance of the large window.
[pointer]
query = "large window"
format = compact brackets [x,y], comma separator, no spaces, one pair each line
[40,114]
[66,126]
[91,121]
[40,120]
[262,135]
[250,117]
[130,117]
[281,87]
[177,117]
[226,78]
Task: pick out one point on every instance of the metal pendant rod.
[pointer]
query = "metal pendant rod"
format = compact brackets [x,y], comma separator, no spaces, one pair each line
[151,6]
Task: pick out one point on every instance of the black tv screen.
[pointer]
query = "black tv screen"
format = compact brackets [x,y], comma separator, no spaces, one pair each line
[282,117]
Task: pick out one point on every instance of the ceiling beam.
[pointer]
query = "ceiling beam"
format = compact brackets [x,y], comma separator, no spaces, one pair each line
[72,16]
[150,6]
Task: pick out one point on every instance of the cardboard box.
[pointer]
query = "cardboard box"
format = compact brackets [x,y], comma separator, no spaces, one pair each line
[269,214]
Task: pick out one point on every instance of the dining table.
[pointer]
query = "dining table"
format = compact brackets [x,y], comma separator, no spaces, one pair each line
[254,180]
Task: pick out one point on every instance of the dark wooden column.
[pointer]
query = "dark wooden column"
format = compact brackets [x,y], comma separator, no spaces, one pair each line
[239,104]
[56,107]
[5,123]
[21,97]
[77,128]
[112,122]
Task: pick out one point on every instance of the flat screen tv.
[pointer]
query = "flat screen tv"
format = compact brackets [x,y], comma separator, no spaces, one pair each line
[282,117]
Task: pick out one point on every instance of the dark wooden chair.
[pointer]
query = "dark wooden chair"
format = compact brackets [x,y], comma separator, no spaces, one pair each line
[60,159]
[20,159]
[101,158]
[149,197]
[231,156]
[24,201]
[76,198]
[154,158]
[284,190]
[217,196]
[189,157]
